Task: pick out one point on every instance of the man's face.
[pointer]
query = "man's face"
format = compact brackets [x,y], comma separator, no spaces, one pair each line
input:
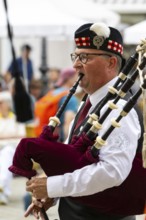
[98,70]
[25,53]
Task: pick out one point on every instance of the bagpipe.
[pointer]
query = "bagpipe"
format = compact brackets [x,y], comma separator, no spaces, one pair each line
[84,149]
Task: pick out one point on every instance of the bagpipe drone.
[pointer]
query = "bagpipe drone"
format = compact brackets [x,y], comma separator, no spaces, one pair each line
[57,158]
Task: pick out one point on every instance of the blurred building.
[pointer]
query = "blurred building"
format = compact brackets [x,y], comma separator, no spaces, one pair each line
[131,11]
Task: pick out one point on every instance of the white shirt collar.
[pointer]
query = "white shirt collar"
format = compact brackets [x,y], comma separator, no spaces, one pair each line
[100,93]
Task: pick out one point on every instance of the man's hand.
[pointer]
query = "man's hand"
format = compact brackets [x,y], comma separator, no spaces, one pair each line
[38,187]
[35,207]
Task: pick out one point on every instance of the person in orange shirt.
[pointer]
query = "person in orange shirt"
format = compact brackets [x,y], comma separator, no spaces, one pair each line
[49,104]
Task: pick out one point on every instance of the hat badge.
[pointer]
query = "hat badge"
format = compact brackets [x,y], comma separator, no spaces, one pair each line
[98,41]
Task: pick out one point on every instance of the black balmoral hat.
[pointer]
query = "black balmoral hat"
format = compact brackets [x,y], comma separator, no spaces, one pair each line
[99,36]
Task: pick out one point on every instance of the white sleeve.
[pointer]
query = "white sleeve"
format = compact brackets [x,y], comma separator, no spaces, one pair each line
[114,166]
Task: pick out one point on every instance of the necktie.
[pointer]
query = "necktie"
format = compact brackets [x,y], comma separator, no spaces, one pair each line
[83,113]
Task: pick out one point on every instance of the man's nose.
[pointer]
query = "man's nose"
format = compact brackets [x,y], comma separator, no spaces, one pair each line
[77,63]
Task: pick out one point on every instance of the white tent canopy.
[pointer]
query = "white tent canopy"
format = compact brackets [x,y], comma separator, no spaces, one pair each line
[84,9]
[135,33]
[52,17]
[37,18]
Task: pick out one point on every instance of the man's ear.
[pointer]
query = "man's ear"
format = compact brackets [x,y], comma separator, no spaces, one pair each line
[112,62]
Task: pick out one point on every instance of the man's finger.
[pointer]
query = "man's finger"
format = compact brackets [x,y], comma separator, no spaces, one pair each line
[29,188]
[36,214]
[29,182]
[29,210]
[37,203]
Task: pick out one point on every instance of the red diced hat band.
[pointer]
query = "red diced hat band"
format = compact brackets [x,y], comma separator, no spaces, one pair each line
[112,45]
[82,41]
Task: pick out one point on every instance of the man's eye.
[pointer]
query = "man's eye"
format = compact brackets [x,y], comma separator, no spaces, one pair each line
[83,56]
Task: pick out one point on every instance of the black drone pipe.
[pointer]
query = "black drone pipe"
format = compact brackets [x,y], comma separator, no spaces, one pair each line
[128,83]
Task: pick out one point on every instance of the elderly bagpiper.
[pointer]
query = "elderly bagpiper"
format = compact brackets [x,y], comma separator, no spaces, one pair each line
[98,177]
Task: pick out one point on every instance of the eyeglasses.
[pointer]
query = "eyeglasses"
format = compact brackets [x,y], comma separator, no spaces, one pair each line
[83,57]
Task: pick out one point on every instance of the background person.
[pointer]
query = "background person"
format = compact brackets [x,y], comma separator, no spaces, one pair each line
[35,88]
[10,134]
[53,75]
[49,104]
[25,66]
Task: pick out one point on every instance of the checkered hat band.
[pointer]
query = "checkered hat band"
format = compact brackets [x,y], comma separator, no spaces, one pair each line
[113,45]
[82,41]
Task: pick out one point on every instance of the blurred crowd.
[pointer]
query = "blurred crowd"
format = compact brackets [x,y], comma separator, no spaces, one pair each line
[43,103]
